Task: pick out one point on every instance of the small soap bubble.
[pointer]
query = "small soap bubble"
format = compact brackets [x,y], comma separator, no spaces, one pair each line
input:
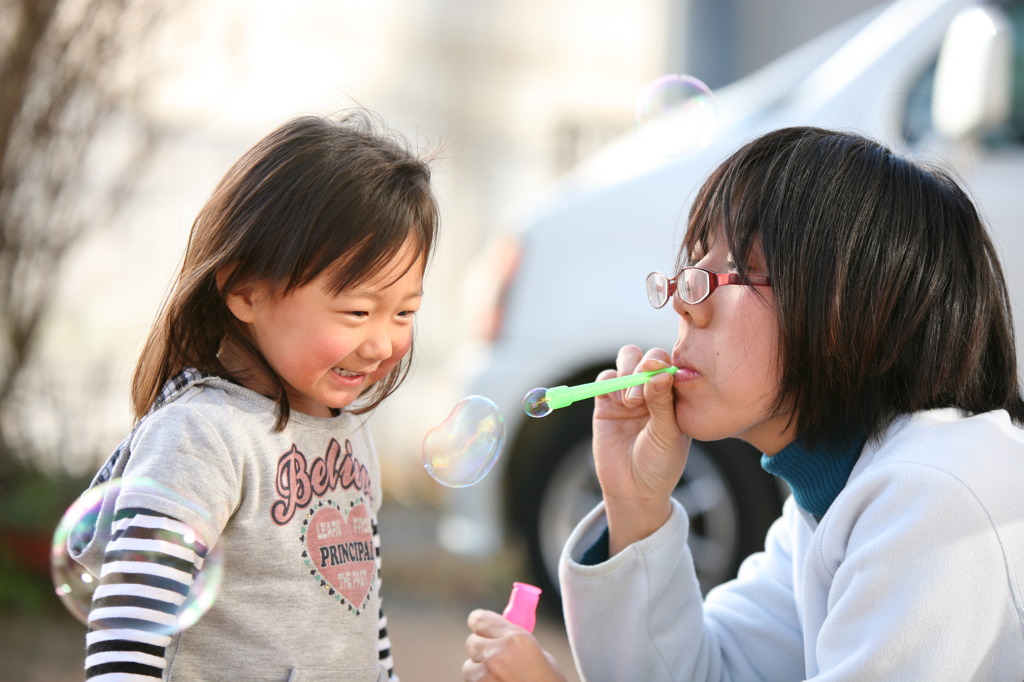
[535,403]
[463,448]
[75,585]
[676,115]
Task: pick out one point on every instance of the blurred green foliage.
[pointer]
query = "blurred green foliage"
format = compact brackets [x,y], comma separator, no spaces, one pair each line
[31,504]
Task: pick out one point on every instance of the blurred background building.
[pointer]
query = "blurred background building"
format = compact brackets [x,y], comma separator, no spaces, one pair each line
[516,92]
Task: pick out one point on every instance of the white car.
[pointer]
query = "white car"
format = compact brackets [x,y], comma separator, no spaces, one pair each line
[941,78]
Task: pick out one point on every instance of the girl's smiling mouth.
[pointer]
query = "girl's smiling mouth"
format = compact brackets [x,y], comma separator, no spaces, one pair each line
[348,377]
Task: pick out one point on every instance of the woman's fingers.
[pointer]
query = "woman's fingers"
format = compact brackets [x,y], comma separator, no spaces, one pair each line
[627,359]
[487,623]
[656,358]
[501,651]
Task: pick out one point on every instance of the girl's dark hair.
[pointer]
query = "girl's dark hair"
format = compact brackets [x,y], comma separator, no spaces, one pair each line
[889,293]
[342,195]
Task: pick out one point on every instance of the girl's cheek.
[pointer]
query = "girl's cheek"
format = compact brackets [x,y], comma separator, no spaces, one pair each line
[400,349]
[388,365]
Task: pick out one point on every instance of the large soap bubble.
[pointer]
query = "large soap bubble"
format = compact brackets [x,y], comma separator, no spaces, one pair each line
[676,115]
[76,586]
[464,447]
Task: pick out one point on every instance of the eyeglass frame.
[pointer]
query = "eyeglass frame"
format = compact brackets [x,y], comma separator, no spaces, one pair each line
[715,280]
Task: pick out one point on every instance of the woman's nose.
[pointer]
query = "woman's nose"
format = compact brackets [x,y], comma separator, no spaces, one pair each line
[698,314]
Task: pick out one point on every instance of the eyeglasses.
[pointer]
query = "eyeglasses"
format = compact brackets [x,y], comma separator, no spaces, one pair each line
[692,285]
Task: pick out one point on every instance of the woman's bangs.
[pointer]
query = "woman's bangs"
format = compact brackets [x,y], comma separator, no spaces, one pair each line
[723,211]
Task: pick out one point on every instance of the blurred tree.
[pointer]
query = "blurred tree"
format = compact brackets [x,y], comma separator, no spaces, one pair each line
[71,144]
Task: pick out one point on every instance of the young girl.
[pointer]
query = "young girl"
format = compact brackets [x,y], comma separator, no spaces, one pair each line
[865,346]
[292,316]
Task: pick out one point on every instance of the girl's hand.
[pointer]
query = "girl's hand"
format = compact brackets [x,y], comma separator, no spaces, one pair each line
[639,451]
[502,652]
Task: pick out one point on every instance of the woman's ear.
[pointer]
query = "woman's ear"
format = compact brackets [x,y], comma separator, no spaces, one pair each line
[240,297]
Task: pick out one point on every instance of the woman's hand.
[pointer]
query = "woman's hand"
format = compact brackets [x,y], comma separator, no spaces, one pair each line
[500,651]
[639,450]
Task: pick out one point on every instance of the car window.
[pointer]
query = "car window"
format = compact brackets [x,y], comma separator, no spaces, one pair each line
[1015,11]
[917,118]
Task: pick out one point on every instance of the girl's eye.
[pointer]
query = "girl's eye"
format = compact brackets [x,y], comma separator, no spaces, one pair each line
[407,313]
[358,313]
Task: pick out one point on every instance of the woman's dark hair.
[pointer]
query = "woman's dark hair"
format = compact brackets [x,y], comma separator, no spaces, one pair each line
[889,293]
[317,194]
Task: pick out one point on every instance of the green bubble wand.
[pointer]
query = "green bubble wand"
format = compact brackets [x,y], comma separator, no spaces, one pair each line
[540,402]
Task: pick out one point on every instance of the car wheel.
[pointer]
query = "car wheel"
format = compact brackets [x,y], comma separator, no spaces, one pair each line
[730,500]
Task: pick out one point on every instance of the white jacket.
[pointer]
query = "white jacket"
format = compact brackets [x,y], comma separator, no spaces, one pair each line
[916,572]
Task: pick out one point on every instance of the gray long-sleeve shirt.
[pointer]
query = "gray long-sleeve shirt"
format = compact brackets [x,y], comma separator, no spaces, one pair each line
[293,514]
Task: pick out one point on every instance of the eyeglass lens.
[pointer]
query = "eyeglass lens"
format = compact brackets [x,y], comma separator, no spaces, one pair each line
[657,289]
[693,285]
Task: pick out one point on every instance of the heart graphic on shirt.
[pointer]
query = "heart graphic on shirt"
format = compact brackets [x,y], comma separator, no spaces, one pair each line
[340,554]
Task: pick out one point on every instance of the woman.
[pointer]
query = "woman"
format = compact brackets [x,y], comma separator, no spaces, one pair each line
[867,350]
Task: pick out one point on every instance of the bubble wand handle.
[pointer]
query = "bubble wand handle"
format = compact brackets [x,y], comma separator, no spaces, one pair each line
[563,396]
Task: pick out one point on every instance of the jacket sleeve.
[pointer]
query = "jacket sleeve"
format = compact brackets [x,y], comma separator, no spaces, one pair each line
[641,615]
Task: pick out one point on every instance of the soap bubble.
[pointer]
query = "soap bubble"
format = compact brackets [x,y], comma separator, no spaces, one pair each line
[676,115]
[535,403]
[463,448]
[75,585]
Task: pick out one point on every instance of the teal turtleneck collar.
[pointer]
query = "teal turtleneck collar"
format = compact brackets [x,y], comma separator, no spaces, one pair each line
[816,476]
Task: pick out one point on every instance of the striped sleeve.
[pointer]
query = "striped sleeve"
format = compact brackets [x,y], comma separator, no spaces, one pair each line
[149,566]
[383,641]
[384,647]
